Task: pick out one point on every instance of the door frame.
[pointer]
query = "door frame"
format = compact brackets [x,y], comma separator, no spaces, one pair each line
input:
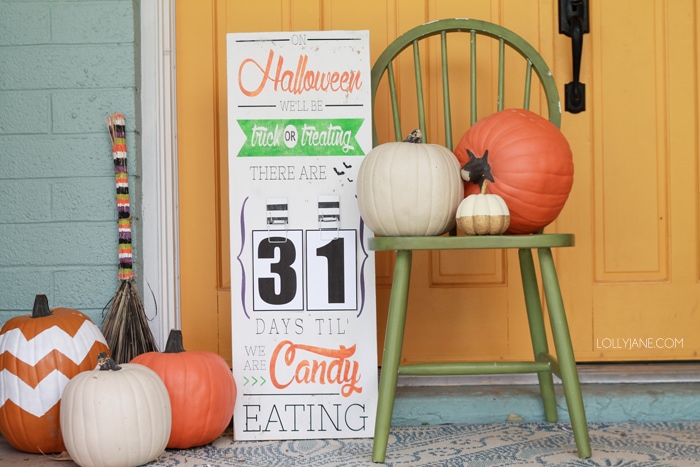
[159,209]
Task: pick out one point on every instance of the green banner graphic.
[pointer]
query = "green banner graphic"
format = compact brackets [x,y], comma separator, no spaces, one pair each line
[315,137]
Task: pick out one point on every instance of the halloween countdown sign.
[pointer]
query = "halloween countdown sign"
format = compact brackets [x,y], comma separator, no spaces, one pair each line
[302,277]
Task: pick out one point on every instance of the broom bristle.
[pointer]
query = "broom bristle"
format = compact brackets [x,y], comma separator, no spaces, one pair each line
[125,326]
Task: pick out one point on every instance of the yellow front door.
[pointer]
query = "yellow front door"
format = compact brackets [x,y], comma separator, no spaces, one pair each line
[631,284]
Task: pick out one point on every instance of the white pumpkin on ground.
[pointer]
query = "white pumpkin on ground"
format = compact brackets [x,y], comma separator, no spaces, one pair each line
[409,188]
[483,214]
[115,418]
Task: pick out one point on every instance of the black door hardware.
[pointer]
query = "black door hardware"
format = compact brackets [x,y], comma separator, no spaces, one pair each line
[573,22]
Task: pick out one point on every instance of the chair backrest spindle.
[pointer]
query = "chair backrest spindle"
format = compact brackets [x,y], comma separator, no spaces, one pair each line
[394,102]
[528,84]
[445,90]
[472,76]
[419,89]
[501,73]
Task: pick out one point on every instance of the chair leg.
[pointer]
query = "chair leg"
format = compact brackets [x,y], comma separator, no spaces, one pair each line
[393,341]
[538,334]
[565,352]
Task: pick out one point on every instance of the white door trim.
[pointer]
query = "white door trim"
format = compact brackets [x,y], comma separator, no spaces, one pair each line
[160,280]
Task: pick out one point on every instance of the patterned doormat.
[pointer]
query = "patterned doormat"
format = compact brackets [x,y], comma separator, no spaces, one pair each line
[656,444]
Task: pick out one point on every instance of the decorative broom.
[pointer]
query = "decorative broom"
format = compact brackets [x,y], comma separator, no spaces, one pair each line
[125,326]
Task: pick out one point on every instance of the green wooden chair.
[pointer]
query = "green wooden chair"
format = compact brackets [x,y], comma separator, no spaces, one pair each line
[544,363]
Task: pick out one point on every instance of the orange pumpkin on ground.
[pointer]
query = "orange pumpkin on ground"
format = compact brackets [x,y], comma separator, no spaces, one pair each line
[201,389]
[39,354]
[527,161]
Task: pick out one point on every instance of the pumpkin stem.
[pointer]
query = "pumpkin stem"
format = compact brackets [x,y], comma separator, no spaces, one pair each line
[106,363]
[174,344]
[477,170]
[483,187]
[416,136]
[41,306]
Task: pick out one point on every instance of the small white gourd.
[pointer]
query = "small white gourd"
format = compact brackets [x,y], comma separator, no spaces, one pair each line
[483,214]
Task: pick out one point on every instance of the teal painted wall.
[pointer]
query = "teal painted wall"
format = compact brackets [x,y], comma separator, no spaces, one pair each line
[64,67]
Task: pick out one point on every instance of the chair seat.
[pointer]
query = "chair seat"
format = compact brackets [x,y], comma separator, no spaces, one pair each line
[471,242]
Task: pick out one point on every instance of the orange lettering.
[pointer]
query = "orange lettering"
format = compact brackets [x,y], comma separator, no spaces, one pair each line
[332,366]
[297,80]
[265,75]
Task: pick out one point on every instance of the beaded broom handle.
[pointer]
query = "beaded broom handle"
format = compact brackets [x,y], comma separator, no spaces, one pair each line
[117,132]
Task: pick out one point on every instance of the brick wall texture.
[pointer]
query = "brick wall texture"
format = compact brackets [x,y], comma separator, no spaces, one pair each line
[64,67]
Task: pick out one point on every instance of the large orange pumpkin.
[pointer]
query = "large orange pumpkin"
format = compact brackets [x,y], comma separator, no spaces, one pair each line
[201,389]
[527,161]
[39,354]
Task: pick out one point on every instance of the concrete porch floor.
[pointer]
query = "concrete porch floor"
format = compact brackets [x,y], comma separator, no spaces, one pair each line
[612,393]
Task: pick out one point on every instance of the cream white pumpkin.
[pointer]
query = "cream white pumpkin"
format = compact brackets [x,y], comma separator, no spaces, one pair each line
[483,214]
[409,189]
[116,418]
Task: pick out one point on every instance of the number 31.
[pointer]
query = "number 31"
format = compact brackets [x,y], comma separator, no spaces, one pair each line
[330,266]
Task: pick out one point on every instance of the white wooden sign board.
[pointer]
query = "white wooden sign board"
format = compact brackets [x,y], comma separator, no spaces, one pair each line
[302,278]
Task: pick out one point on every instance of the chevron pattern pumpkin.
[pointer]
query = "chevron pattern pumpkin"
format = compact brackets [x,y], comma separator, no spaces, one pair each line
[39,354]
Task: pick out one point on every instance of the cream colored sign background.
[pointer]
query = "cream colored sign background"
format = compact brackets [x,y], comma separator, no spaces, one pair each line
[303,311]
